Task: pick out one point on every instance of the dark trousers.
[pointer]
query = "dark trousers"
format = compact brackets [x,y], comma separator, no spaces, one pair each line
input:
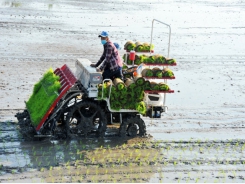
[108,74]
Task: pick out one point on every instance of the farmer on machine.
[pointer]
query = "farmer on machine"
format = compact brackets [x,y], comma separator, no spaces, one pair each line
[110,61]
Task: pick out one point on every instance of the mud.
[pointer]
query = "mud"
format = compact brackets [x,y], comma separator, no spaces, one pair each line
[201,137]
[119,160]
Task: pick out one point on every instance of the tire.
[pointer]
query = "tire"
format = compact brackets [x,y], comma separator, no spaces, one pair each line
[133,126]
[85,118]
[25,127]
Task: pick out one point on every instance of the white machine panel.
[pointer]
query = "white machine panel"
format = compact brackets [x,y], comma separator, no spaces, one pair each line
[87,74]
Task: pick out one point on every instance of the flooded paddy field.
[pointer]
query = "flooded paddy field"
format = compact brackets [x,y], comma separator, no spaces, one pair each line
[114,159]
[201,137]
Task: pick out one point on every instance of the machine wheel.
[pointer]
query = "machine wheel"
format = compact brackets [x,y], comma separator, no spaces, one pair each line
[26,129]
[85,118]
[133,126]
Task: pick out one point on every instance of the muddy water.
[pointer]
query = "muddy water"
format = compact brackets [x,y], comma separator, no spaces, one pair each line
[119,160]
[200,138]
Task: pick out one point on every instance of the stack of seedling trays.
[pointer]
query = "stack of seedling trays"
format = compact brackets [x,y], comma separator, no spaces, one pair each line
[47,92]
[153,60]
[138,46]
[152,66]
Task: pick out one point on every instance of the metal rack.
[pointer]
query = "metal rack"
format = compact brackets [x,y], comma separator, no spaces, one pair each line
[164,65]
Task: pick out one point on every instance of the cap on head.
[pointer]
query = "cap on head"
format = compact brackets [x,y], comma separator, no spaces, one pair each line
[103,34]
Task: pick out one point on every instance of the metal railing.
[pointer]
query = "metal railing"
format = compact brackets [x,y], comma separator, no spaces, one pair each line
[169,37]
[169,32]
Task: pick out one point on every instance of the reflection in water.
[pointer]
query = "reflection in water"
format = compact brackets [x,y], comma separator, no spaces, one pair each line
[63,158]
[53,153]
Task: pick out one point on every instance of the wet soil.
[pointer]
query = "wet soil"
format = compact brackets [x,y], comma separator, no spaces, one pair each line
[201,137]
[119,160]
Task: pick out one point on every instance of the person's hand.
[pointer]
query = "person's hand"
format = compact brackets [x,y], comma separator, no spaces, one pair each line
[98,70]
[93,65]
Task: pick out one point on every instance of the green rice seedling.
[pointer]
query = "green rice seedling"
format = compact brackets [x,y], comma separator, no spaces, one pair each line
[76,162]
[131,169]
[39,163]
[104,150]
[154,158]
[234,173]
[228,144]
[242,148]
[175,163]
[92,179]
[50,173]
[42,169]
[96,151]
[80,155]
[146,158]
[137,176]
[226,150]
[87,171]
[141,164]
[67,163]
[217,149]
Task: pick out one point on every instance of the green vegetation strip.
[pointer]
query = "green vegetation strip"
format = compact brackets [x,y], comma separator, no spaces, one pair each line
[44,94]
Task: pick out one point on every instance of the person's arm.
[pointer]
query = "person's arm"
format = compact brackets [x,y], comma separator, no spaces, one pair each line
[100,60]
